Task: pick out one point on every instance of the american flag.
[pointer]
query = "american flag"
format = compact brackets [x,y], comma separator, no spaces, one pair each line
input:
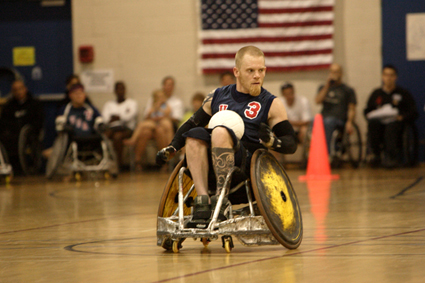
[294,34]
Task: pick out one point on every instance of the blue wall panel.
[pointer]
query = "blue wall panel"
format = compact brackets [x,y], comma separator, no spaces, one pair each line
[411,73]
[49,30]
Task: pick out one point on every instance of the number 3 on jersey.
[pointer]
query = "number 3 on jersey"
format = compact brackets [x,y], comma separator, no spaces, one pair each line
[252,111]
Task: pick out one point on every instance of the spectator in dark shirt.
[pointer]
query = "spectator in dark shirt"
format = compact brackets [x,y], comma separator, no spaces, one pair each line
[388,108]
[339,103]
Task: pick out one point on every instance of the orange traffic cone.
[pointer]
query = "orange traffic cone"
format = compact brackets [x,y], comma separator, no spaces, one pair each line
[318,167]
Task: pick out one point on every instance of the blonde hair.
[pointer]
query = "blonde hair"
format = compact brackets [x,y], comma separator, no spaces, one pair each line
[251,50]
[156,94]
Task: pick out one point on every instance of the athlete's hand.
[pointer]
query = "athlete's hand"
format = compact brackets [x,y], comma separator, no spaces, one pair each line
[266,135]
[165,154]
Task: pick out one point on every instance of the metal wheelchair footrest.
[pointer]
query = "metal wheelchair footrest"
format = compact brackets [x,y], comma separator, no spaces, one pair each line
[250,230]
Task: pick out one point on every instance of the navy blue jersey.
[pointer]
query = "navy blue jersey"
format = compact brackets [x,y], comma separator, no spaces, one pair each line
[81,119]
[254,110]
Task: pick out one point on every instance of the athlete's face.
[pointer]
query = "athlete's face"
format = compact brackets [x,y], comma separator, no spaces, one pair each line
[250,74]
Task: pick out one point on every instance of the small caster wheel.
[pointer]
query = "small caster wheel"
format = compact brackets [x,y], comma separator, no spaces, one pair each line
[227,243]
[107,175]
[77,177]
[167,244]
[205,241]
[176,246]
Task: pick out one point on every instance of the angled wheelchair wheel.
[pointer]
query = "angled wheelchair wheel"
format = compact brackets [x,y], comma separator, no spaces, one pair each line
[169,200]
[276,199]
[410,145]
[354,145]
[29,150]
[4,154]
[59,149]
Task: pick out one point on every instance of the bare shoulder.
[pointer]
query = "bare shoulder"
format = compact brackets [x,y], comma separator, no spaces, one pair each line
[206,104]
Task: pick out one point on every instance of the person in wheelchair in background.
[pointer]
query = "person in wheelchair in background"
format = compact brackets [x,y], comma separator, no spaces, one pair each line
[388,110]
[339,104]
[80,119]
[211,153]
[20,110]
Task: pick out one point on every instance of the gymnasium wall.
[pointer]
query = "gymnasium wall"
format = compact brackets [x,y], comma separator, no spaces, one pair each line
[143,41]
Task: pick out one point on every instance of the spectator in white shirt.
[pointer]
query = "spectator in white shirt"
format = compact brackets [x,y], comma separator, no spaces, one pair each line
[298,110]
[162,131]
[121,116]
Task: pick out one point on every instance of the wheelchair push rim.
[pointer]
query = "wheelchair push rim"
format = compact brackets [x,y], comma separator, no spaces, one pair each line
[29,150]
[60,147]
[276,199]
[169,202]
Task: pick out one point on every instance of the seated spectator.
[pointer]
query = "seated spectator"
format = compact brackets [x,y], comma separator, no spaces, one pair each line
[81,117]
[160,108]
[161,131]
[70,81]
[197,100]
[121,118]
[20,109]
[387,109]
[298,110]
[339,103]
[227,78]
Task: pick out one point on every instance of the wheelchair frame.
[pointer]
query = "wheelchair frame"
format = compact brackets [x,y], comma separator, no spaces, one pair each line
[5,167]
[252,230]
[337,154]
[76,166]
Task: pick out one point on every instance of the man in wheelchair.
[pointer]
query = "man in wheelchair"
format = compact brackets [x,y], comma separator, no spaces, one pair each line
[82,124]
[211,153]
[20,110]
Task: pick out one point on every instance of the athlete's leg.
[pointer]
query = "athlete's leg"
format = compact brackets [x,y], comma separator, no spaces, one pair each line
[197,162]
[223,155]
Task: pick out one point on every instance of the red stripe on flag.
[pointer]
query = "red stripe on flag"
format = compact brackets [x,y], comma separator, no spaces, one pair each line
[266,39]
[269,54]
[295,10]
[295,24]
[210,71]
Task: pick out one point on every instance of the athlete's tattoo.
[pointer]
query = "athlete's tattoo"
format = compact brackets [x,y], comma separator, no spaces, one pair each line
[223,160]
[208,98]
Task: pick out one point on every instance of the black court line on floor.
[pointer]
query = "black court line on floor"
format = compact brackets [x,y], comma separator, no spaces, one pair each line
[286,255]
[412,185]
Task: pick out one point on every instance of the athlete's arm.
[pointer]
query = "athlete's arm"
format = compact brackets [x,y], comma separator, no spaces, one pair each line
[201,118]
[278,134]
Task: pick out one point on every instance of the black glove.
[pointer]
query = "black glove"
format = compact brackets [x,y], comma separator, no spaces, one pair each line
[165,154]
[265,133]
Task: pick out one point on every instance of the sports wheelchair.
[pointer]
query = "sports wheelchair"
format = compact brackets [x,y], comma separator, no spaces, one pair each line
[346,148]
[6,169]
[271,217]
[72,155]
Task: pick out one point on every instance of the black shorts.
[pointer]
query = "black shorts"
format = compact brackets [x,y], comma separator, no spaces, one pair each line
[242,159]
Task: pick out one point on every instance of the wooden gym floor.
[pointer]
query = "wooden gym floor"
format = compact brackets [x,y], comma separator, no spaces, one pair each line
[369,226]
